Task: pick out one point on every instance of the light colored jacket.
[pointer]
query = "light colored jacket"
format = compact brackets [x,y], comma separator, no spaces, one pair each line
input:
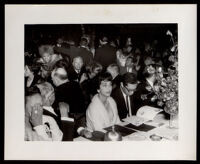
[97,116]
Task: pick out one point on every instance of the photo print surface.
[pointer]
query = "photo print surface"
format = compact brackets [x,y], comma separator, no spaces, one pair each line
[101,82]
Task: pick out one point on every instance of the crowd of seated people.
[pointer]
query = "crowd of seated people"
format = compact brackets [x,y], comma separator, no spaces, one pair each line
[95,88]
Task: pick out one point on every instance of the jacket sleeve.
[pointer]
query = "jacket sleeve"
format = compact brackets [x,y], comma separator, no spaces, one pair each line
[92,118]
[55,131]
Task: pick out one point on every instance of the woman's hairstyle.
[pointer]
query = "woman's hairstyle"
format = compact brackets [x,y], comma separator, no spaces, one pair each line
[129,78]
[146,73]
[46,49]
[104,76]
[94,65]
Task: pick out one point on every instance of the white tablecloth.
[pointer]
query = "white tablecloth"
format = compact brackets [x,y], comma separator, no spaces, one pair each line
[161,130]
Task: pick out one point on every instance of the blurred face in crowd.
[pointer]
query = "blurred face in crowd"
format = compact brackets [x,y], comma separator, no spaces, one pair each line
[34,101]
[46,57]
[60,41]
[151,69]
[147,47]
[129,88]
[111,71]
[129,62]
[95,72]
[105,88]
[77,63]
[43,73]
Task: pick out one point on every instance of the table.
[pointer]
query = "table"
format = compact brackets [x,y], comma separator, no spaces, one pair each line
[162,130]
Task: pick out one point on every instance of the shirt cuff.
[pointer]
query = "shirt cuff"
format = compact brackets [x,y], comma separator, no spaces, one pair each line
[80,129]
[67,119]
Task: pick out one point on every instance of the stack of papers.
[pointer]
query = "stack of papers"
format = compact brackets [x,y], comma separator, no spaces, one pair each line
[137,121]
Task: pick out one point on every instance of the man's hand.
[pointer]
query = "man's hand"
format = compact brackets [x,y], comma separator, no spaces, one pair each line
[83,77]
[36,116]
[64,109]
[86,133]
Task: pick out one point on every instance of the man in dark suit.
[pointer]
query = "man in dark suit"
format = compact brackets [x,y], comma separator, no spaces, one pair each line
[145,94]
[105,54]
[76,70]
[113,69]
[68,95]
[84,52]
[124,95]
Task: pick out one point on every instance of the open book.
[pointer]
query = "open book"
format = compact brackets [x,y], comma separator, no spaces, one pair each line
[144,114]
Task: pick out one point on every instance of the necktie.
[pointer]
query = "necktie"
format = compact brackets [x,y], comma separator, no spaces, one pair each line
[127,105]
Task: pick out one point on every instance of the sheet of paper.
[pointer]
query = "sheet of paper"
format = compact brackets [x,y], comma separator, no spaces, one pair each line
[148,112]
[165,131]
[135,120]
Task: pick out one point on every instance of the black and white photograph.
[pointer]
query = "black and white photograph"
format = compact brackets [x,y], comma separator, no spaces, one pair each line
[100,82]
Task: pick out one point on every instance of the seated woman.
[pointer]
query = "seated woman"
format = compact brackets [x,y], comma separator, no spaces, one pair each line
[102,111]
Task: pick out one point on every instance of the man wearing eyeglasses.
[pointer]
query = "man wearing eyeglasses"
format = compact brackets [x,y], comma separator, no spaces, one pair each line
[124,95]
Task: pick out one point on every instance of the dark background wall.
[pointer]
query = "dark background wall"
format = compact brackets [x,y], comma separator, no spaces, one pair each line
[48,33]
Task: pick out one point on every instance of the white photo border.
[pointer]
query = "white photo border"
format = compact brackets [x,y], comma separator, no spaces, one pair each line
[16,16]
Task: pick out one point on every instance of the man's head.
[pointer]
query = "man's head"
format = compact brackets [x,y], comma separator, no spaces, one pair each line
[84,42]
[33,99]
[94,69]
[113,69]
[129,83]
[59,74]
[77,63]
[47,93]
[130,61]
[103,40]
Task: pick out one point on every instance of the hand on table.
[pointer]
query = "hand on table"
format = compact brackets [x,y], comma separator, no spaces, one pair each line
[86,133]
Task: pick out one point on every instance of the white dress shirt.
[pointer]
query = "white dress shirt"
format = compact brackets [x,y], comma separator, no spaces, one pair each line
[129,104]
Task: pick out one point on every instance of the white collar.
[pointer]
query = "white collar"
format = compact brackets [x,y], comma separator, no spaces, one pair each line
[123,92]
[50,109]
[150,82]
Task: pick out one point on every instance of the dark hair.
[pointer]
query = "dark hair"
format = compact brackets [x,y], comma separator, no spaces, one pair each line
[30,91]
[130,78]
[92,66]
[62,77]
[63,63]
[145,73]
[115,66]
[104,38]
[104,76]
[133,59]
[83,42]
